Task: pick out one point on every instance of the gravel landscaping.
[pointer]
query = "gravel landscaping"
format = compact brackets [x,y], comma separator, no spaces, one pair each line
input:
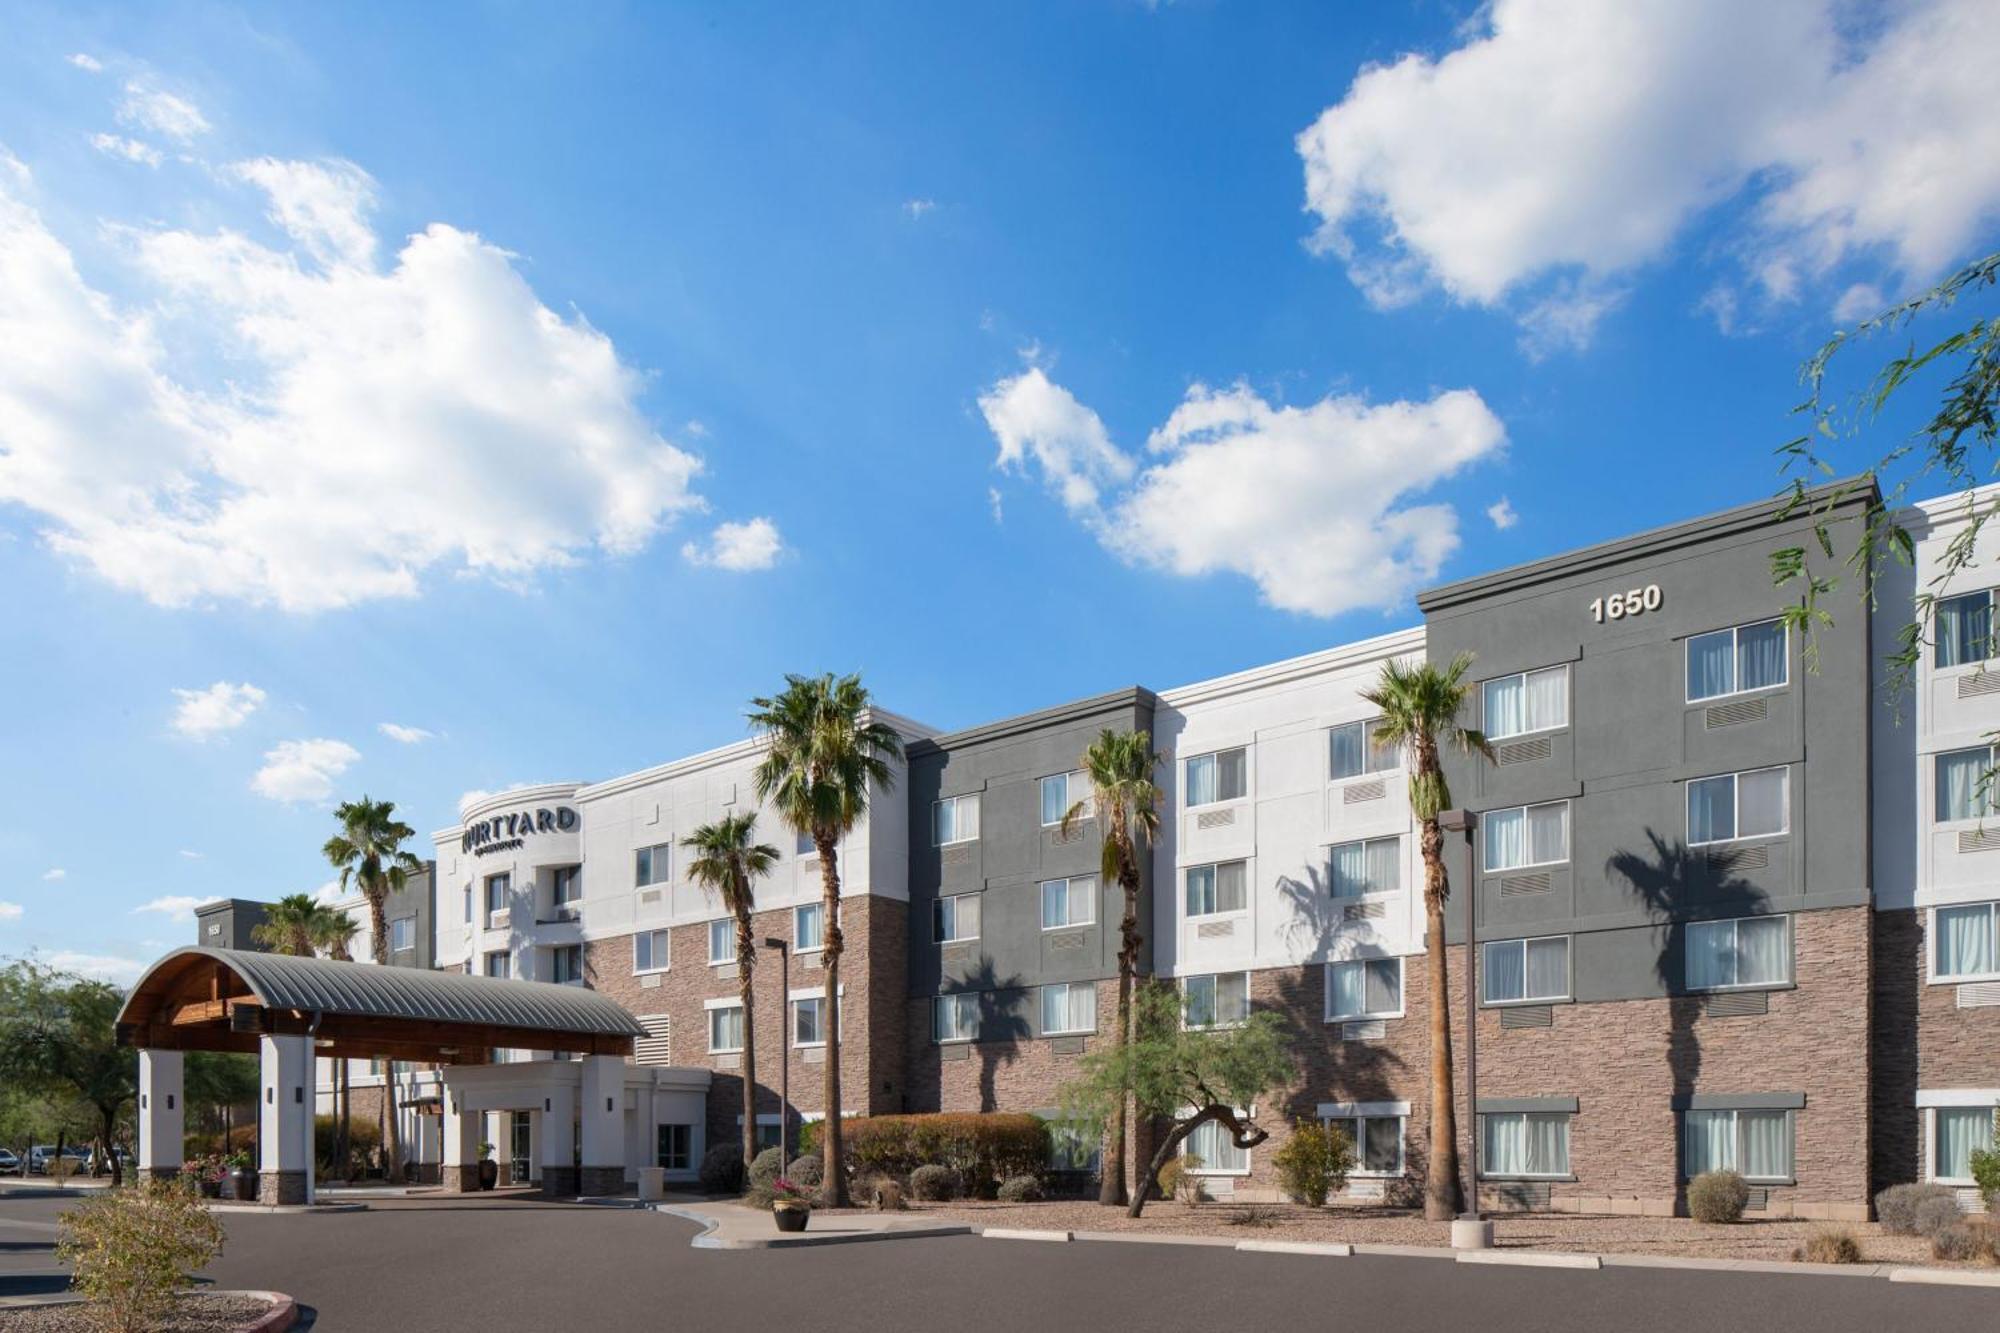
[197,1312]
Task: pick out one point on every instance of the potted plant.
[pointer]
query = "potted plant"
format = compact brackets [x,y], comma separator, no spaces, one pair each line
[791,1204]
[489,1170]
[242,1175]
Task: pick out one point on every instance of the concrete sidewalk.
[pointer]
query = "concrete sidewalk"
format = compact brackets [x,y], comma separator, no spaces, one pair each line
[731,1226]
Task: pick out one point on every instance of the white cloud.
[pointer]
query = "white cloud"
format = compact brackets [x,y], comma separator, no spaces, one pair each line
[1572,142]
[303,770]
[96,966]
[351,427]
[1860,301]
[1502,513]
[738,546]
[89,64]
[132,150]
[993,500]
[403,735]
[162,112]
[55,873]
[915,209]
[203,714]
[10,911]
[174,907]
[190,855]
[1032,417]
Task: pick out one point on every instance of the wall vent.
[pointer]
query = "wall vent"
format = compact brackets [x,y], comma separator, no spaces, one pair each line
[1065,1045]
[1979,682]
[1522,1195]
[1979,840]
[724,972]
[650,898]
[809,961]
[1069,939]
[651,981]
[961,855]
[1364,912]
[1215,819]
[1525,886]
[1978,994]
[1528,1016]
[1075,834]
[1736,714]
[1760,1198]
[733,1060]
[1970,1201]
[1366,1029]
[956,953]
[809,865]
[498,920]
[1523,752]
[955,1050]
[657,1046]
[1215,930]
[1742,858]
[1364,791]
[1738,1004]
[813,1055]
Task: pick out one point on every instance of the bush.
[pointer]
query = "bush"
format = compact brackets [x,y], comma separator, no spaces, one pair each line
[1314,1162]
[766,1167]
[808,1138]
[806,1171]
[1896,1207]
[364,1141]
[1254,1215]
[759,1196]
[1963,1243]
[884,1194]
[1829,1245]
[1986,1171]
[979,1147]
[1178,1181]
[1717,1196]
[1935,1214]
[934,1183]
[722,1169]
[133,1250]
[1021,1189]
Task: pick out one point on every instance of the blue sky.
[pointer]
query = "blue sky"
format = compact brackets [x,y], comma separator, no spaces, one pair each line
[550,381]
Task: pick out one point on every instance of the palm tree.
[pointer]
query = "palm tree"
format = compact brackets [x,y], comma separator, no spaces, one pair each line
[368,852]
[825,755]
[1120,766]
[332,933]
[727,863]
[288,925]
[1420,705]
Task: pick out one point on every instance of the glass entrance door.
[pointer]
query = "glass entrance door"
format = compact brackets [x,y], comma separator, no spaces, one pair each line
[520,1148]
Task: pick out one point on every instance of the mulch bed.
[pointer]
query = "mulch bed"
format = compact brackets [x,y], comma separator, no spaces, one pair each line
[197,1312]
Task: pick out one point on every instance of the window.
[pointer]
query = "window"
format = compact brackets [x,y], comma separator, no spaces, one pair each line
[1530,835]
[1215,1001]
[499,964]
[676,1147]
[809,1021]
[725,1029]
[1354,751]
[1955,1132]
[1533,1143]
[1513,971]
[651,951]
[1739,805]
[1074,1146]
[1528,702]
[1069,1007]
[805,846]
[650,864]
[1375,1142]
[568,884]
[955,1018]
[1757,1145]
[956,918]
[955,819]
[1212,1143]
[403,934]
[498,887]
[1964,629]
[1215,889]
[1069,902]
[1373,866]
[566,963]
[1752,951]
[1222,776]
[1967,945]
[806,933]
[468,905]
[722,941]
[1364,988]
[1064,792]
[1965,789]
[1736,661]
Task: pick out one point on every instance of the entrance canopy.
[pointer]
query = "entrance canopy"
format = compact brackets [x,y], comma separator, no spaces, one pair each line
[225,999]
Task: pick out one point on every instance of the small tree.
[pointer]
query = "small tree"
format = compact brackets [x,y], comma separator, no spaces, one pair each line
[57,1036]
[133,1251]
[1314,1162]
[1185,1076]
[1986,1171]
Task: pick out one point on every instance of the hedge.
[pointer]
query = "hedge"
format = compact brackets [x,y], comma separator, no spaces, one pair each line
[981,1148]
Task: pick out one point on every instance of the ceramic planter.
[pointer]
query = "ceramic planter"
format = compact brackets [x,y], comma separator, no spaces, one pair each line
[791,1214]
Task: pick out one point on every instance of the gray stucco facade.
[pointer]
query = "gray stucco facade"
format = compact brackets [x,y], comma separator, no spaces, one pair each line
[227,923]
[416,903]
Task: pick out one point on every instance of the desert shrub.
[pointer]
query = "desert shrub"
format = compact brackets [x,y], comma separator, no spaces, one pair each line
[1933,1215]
[766,1167]
[1896,1207]
[934,1183]
[132,1251]
[808,1138]
[1986,1171]
[1314,1162]
[979,1147]
[1963,1242]
[722,1169]
[1021,1189]
[884,1194]
[759,1196]
[1717,1196]
[1178,1181]
[1829,1245]
[806,1171]
[364,1140]
[1254,1215]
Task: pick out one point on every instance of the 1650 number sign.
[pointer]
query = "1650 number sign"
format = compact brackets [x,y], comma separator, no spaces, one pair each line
[1631,602]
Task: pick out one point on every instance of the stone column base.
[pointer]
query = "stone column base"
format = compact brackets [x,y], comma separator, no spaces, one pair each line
[559,1182]
[460,1179]
[281,1188]
[602,1180]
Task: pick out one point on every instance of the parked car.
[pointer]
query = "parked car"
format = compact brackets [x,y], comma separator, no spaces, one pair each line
[42,1154]
[10,1165]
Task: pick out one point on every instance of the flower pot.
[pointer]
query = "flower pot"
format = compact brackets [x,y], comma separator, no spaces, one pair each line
[489,1174]
[243,1184]
[791,1214]
[211,1187]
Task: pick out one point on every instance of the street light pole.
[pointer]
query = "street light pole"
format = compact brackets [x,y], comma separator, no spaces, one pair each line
[785,1044]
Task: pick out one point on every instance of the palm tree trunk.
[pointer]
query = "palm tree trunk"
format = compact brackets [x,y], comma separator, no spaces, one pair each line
[1441,1191]
[746,958]
[834,1159]
[1111,1186]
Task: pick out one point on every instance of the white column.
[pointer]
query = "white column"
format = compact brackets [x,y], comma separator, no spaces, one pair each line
[162,1114]
[555,1138]
[602,1114]
[462,1129]
[285,1118]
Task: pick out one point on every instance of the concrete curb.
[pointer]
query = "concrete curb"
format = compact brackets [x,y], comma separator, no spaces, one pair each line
[1331,1249]
[286,1209]
[1530,1258]
[1147,1238]
[1946,1277]
[284,1312]
[707,1239]
[1747,1266]
[1017,1233]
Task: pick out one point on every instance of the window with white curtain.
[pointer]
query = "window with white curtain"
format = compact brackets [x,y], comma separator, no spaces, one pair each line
[650,865]
[1527,835]
[725,1029]
[1964,789]
[498,887]
[1733,806]
[1517,1143]
[1364,988]
[1757,1145]
[1212,1143]
[1525,971]
[955,1017]
[808,933]
[1217,1000]
[650,951]
[809,1021]
[722,940]
[1751,951]
[1955,1132]
[1218,888]
[956,918]
[955,819]
[1967,945]
[1962,628]
[1061,792]
[1527,702]
[1222,776]
[568,885]
[1069,1007]
[1069,902]
[1375,1142]
[1737,661]
[1354,751]
[403,934]
[1373,865]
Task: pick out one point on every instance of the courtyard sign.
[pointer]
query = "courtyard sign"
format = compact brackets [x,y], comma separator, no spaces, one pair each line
[502,832]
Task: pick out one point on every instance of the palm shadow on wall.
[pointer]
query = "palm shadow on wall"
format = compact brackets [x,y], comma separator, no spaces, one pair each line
[1002,1025]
